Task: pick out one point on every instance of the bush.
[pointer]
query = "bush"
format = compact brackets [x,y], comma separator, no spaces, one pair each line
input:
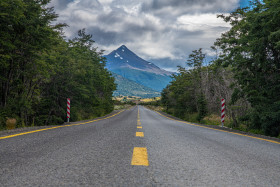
[11,123]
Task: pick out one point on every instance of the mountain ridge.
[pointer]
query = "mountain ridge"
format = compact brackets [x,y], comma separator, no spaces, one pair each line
[127,64]
[125,58]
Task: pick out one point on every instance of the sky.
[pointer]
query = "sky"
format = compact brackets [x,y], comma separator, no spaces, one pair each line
[164,32]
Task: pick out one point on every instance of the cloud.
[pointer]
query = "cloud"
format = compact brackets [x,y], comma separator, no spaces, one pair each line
[60,4]
[195,21]
[162,31]
[176,7]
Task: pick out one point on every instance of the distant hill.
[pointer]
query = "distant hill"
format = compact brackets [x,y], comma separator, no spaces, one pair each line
[130,88]
[124,62]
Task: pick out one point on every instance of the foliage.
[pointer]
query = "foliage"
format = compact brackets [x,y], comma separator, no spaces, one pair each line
[39,70]
[151,103]
[202,108]
[246,73]
[185,95]
[252,49]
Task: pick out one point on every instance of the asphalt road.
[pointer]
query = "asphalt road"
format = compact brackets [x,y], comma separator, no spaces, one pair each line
[166,153]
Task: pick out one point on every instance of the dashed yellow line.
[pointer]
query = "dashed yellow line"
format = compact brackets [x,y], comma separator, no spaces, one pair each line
[140,156]
[220,130]
[30,132]
[139,134]
[138,118]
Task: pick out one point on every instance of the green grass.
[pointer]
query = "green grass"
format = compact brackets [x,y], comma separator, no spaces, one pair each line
[256,131]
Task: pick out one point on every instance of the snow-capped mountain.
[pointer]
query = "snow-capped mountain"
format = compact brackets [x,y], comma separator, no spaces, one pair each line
[124,58]
[124,62]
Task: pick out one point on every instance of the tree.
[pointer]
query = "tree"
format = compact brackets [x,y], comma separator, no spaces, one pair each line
[25,35]
[39,69]
[78,73]
[195,62]
[252,49]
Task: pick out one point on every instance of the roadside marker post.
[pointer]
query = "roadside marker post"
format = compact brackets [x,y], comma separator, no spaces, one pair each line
[223,111]
[68,110]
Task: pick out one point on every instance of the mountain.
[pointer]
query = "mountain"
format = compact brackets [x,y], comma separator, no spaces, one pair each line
[124,62]
[130,88]
[124,58]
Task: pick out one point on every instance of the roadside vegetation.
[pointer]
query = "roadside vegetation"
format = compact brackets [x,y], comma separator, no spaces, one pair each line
[123,99]
[245,72]
[147,100]
[39,69]
[124,104]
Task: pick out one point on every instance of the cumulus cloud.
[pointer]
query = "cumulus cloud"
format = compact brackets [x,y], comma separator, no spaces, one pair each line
[162,31]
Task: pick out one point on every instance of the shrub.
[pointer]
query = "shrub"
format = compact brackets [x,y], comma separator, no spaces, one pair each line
[11,123]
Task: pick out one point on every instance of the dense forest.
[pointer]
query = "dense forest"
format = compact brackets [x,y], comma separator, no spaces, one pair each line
[39,69]
[245,72]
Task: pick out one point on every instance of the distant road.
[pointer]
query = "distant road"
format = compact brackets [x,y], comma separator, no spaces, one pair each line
[137,147]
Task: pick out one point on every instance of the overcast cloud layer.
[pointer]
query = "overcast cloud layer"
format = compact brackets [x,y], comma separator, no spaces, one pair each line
[161,31]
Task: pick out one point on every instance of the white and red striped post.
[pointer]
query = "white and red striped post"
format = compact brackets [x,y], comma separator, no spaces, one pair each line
[68,110]
[223,111]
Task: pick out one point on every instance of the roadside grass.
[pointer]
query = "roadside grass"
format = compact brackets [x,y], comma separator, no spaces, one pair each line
[121,107]
[156,108]
[150,99]
[256,131]
[211,119]
[126,98]
[191,117]
[214,119]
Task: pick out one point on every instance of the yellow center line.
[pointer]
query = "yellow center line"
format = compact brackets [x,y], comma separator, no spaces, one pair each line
[140,156]
[29,132]
[138,118]
[139,134]
[220,130]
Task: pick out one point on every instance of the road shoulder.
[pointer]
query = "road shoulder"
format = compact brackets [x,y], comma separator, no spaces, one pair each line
[219,128]
[27,129]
